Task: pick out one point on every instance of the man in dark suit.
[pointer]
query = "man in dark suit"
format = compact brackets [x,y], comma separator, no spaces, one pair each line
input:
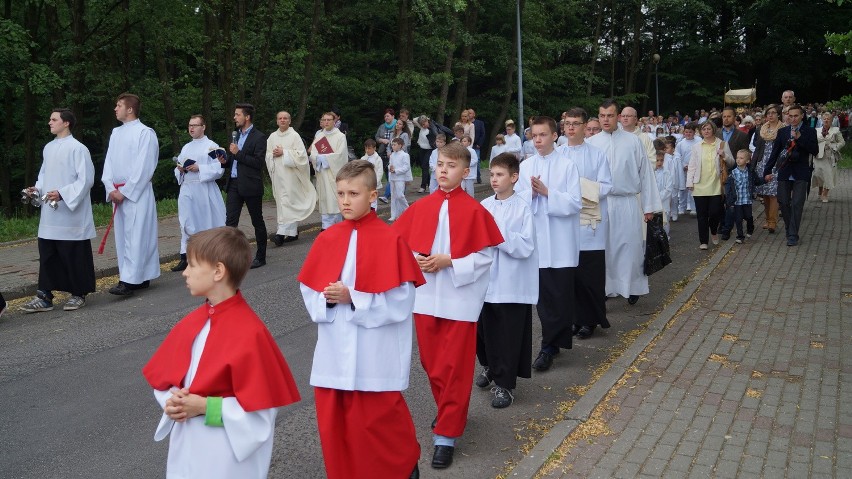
[478,140]
[244,182]
[794,171]
[736,140]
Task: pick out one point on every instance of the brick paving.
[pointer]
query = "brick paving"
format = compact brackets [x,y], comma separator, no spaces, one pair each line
[749,379]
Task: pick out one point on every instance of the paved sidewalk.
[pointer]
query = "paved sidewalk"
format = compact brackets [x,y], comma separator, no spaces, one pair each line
[747,376]
[19,260]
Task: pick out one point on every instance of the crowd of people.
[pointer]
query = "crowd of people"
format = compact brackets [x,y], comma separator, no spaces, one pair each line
[564,232]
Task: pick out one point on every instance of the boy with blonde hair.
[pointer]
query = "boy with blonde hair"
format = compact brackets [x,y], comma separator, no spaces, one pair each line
[358,285]
[453,237]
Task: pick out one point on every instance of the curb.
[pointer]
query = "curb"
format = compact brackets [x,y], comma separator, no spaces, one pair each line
[536,459]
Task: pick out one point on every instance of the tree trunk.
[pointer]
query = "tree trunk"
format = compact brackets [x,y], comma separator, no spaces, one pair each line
[208,69]
[263,60]
[168,101]
[309,64]
[509,82]
[595,43]
[227,58]
[8,136]
[448,74]
[635,51]
[470,21]
[655,47]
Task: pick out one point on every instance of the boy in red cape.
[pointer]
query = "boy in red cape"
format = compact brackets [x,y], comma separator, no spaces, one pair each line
[358,284]
[219,375]
[452,236]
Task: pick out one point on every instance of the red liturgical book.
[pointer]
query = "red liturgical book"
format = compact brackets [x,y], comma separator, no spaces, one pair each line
[323,146]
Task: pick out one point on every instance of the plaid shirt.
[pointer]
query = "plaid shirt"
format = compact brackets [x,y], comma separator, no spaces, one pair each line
[741,186]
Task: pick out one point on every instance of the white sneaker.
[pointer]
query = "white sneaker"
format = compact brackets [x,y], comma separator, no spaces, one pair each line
[703,246]
[383,199]
[738,241]
[74,303]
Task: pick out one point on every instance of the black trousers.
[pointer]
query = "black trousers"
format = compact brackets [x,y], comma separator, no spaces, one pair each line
[233,209]
[709,210]
[590,289]
[791,199]
[504,342]
[556,306]
[424,168]
[66,265]
[740,213]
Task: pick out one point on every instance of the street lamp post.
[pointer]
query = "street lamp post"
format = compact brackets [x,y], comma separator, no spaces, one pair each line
[657,78]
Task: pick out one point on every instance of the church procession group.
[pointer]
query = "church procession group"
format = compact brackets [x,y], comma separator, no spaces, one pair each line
[564,231]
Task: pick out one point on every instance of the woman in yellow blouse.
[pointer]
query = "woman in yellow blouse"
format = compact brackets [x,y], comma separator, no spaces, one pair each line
[705,177]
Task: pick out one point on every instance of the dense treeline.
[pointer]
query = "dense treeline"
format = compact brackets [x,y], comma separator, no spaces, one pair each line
[360,56]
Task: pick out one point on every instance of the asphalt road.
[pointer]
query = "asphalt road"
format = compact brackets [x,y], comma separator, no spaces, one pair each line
[74,403]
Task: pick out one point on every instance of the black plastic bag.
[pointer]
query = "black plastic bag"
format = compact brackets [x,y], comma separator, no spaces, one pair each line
[657,253]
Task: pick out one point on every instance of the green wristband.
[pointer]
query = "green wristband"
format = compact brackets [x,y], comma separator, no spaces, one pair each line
[213,416]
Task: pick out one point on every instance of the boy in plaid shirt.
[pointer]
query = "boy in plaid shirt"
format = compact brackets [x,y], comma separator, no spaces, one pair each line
[739,191]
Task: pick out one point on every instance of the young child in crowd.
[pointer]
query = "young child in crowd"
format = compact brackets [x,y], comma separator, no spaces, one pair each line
[458,131]
[453,237]
[529,145]
[468,183]
[219,375]
[399,174]
[672,166]
[499,146]
[739,191]
[504,330]
[440,141]
[664,181]
[375,159]
[358,285]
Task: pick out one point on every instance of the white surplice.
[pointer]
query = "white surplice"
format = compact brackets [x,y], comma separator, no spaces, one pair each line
[326,168]
[557,215]
[514,271]
[367,348]
[131,159]
[634,192]
[200,204]
[67,168]
[242,448]
[593,165]
[454,293]
[295,196]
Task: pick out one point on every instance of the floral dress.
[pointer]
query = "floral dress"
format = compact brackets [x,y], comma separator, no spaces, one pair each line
[770,188]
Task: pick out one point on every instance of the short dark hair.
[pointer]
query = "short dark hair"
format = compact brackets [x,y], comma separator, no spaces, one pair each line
[611,102]
[130,101]
[659,144]
[199,118]
[389,110]
[508,161]
[577,112]
[358,168]
[248,110]
[226,245]
[732,109]
[370,143]
[66,116]
[796,106]
[455,151]
[670,140]
[545,120]
[398,140]
[691,126]
[441,136]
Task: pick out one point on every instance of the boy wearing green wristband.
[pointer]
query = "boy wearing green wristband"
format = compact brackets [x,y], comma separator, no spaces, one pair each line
[219,375]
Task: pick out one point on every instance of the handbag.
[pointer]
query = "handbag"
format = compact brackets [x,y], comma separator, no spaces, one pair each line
[657,252]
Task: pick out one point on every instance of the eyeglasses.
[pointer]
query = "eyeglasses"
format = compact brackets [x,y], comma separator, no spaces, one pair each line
[573,124]
[195,126]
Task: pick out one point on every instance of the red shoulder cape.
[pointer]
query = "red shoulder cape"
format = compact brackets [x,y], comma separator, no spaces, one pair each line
[472,227]
[240,359]
[383,260]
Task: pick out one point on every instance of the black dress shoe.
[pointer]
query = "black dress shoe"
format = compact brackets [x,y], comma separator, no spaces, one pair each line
[575,329]
[415,474]
[180,266]
[121,289]
[143,285]
[543,361]
[443,457]
[277,240]
[257,263]
[290,239]
[586,332]
[633,299]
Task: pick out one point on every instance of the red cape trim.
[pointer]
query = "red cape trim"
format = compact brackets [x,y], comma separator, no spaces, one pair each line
[472,227]
[241,359]
[383,260]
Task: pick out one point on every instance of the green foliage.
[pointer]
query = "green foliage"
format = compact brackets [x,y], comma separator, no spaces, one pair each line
[845,156]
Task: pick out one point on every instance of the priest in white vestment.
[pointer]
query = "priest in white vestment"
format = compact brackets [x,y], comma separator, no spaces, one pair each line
[630,123]
[65,232]
[633,200]
[200,203]
[128,168]
[295,196]
[326,166]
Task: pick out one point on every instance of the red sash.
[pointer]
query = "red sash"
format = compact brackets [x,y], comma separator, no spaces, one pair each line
[112,218]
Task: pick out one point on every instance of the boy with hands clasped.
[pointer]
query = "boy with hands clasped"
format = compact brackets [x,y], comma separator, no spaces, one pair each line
[219,375]
[358,285]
